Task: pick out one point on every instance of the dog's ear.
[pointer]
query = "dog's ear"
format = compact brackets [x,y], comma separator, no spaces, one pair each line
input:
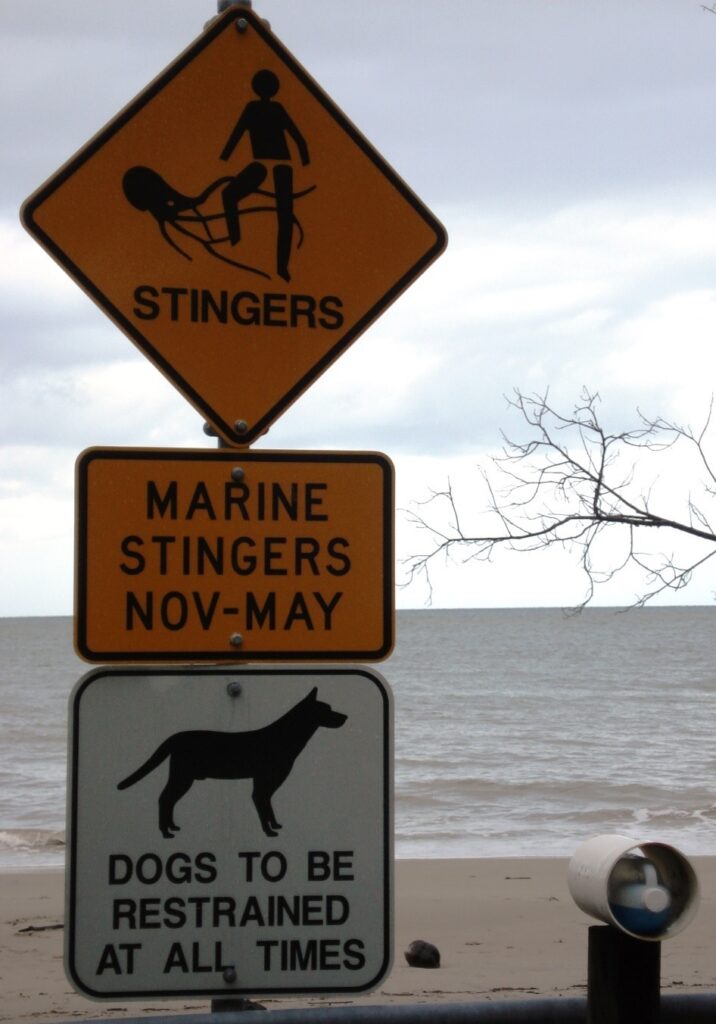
[313,694]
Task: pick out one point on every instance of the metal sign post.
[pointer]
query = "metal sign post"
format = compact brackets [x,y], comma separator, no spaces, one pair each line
[230,834]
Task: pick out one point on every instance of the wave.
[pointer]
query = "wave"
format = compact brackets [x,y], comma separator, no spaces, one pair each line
[37,847]
[676,815]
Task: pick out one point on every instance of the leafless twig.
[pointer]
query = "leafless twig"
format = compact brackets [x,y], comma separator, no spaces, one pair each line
[567,484]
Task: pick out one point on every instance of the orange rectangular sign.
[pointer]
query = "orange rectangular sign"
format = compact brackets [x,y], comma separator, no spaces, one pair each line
[227,556]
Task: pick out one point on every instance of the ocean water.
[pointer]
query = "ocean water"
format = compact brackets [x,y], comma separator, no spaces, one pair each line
[517,732]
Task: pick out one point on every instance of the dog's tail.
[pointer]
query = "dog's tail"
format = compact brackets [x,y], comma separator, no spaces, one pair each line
[149,765]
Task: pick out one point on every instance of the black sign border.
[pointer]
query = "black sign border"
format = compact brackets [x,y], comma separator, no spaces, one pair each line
[222,24]
[235,654]
[73,824]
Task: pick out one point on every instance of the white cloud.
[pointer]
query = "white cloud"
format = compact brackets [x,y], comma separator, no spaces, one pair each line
[29,278]
[567,150]
[36,530]
[667,352]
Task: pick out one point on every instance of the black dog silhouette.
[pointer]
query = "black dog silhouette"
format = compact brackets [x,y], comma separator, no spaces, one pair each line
[264,755]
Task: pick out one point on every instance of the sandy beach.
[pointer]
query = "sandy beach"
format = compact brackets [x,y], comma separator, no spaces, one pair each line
[506,929]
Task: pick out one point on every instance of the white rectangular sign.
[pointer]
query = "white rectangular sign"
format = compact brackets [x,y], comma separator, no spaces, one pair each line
[230,832]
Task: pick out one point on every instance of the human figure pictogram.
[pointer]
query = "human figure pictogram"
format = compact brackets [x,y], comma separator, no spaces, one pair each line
[267,124]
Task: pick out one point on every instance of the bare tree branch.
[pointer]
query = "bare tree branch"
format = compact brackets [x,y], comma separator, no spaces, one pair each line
[570,482]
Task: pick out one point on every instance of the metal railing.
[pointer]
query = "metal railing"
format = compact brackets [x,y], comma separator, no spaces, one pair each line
[675,1009]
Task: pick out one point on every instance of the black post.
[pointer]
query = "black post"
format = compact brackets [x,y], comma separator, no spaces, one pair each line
[623,979]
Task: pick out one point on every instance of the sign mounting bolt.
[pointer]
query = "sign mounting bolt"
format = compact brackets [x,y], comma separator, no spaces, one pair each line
[241,426]
[229,975]
[238,473]
[234,688]
[236,639]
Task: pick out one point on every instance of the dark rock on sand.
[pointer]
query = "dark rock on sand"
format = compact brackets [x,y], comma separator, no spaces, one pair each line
[220,1005]
[422,954]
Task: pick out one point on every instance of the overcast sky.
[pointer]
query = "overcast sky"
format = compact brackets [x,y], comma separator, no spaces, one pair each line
[569,148]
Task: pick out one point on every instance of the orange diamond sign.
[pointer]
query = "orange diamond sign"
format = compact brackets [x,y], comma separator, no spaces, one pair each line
[236,226]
